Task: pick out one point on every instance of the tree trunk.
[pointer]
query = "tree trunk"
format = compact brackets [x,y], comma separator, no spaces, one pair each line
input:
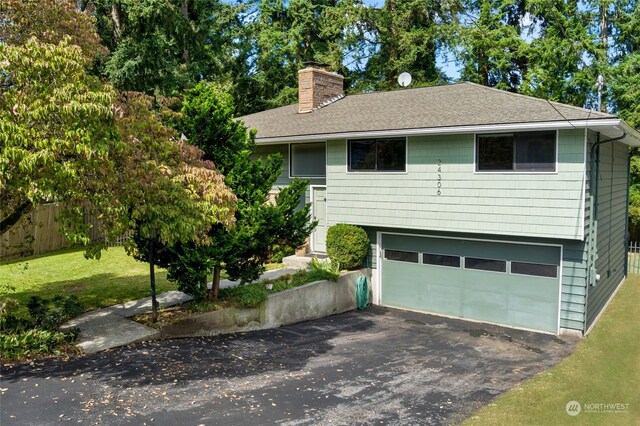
[214,291]
[604,46]
[185,47]
[154,302]
[115,17]
[12,218]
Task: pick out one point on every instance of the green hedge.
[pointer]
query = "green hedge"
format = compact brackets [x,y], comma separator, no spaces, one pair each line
[347,245]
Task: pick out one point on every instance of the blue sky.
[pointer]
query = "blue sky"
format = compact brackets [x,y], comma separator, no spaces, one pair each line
[445,64]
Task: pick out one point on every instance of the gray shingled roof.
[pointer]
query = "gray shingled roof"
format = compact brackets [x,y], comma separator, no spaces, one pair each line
[461,104]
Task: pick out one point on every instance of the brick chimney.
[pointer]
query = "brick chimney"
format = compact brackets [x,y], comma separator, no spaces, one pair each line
[317,86]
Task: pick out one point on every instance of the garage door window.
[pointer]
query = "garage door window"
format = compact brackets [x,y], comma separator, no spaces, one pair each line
[441,260]
[401,256]
[535,269]
[485,264]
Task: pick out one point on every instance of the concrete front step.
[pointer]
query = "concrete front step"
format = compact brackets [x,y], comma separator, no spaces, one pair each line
[300,262]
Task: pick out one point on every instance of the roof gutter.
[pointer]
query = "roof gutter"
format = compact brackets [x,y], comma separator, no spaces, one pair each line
[592,240]
[541,125]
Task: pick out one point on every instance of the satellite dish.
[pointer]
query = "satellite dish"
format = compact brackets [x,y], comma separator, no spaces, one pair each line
[404,79]
[526,21]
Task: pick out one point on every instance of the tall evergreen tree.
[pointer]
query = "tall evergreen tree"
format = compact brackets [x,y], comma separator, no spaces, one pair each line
[283,35]
[624,74]
[489,43]
[259,226]
[163,46]
[404,37]
[562,55]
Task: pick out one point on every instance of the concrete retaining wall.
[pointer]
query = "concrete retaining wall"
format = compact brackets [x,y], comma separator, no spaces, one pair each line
[310,301]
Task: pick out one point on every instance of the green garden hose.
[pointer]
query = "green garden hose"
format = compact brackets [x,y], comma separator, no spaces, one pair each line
[362,292]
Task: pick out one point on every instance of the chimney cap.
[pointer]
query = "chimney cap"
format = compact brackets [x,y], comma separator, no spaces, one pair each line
[315,64]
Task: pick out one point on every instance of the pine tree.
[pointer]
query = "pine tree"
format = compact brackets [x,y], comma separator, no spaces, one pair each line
[259,226]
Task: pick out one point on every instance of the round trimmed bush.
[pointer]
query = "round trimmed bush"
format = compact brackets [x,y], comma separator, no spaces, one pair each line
[347,245]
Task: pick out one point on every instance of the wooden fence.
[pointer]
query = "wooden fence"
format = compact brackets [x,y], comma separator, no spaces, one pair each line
[38,233]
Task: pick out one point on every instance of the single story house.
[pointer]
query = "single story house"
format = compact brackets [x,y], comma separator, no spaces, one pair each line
[479,203]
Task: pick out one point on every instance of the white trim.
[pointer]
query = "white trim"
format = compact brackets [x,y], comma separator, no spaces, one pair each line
[376,172]
[290,161]
[378,298]
[559,278]
[604,308]
[513,171]
[560,275]
[311,188]
[542,125]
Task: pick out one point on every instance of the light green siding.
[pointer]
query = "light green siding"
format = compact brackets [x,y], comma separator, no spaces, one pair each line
[610,221]
[574,270]
[574,281]
[548,205]
[262,151]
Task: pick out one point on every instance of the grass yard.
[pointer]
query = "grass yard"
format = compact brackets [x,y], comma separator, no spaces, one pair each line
[114,278]
[605,369]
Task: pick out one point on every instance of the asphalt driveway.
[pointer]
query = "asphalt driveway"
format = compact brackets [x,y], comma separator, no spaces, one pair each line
[380,366]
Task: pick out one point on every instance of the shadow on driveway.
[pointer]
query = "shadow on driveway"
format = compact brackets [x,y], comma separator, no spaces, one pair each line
[377,366]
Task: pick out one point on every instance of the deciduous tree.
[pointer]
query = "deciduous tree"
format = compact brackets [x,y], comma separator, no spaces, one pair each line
[56,132]
[50,21]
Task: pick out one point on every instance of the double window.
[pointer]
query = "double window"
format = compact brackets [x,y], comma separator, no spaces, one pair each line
[517,152]
[377,155]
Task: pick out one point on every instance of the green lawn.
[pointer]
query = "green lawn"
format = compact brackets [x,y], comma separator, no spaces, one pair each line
[605,369]
[114,278]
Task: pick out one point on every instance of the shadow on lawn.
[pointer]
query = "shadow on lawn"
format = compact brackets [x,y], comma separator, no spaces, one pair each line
[98,290]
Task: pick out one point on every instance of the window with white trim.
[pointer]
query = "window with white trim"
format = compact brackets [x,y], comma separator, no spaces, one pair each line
[516,152]
[377,155]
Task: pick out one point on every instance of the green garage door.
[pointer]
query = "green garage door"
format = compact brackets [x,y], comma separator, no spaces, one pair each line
[512,284]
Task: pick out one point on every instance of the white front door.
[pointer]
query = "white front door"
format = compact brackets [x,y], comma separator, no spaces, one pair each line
[319,211]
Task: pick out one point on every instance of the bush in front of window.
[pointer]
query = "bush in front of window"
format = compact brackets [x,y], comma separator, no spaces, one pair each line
[347,245]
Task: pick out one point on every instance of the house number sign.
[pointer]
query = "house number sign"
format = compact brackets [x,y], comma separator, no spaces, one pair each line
[439,181]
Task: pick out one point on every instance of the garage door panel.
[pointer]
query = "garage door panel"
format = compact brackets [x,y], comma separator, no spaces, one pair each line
[512,299]
[486,306]
[447,299]
[403,292]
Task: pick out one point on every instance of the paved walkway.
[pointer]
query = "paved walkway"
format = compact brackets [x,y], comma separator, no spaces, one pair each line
[111,327]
